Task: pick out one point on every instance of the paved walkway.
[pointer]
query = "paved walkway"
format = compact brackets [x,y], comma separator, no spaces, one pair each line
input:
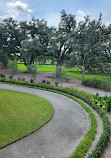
[59,137]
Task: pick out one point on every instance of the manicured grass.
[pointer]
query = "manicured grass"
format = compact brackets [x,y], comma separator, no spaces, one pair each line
[21,67]
[45,68]
[42,68]
[87,76]
[21,114]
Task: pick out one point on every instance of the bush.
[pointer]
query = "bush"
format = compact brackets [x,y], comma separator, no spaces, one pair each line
[12,65]
[31,80]
[10,76]
[22,79]
[56,83]
[43,81]
[60,74]
[48,82]
[32,69]
[95,83]
[2,75]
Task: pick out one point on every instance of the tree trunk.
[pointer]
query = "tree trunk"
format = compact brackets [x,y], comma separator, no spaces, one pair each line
[26,63]
[83,73]
[58,58]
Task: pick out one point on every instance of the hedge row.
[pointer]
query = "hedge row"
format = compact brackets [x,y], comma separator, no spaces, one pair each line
[85,97]
[96,83]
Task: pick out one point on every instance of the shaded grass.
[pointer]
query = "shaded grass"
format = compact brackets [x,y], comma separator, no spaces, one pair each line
[21,114]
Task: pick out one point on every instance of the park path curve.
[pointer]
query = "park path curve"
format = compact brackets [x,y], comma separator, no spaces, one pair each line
[59,137]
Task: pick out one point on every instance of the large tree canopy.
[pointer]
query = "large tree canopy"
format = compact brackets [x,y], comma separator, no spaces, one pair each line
[60,38]
[90,44]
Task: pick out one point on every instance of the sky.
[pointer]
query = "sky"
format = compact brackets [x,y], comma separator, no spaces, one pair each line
[49,10]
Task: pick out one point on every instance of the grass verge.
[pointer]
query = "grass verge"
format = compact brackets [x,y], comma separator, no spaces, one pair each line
[21,114]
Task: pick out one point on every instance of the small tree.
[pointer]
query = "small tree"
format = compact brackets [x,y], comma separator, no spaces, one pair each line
[60,74]
[32,69]
[12,65]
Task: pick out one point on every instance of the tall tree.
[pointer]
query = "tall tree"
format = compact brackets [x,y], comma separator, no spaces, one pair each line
[60,38]
[89,44]
[36,42]
[10,40]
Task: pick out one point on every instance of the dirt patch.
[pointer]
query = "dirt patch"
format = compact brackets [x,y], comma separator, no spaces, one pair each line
[47,76]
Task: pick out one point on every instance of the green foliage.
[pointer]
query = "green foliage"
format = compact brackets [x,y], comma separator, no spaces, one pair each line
[32,70]
[12,65]
[89,137]
[103,102]
[60,45]
[2,76]
[96,83]
[60,74]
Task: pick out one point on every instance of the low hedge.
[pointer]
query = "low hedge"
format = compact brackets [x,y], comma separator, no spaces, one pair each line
[85,97]
[96,83]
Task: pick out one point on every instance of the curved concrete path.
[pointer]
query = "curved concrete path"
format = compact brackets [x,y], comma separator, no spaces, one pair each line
[59,137]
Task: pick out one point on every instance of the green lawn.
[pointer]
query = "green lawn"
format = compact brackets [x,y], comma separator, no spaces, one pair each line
[71,72]
[21,114]
[100,76]
[42,68]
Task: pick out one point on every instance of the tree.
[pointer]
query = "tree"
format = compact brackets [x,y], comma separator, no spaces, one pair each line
[89,44]
[60,38]
[31,49]
[36,43]
[10,40]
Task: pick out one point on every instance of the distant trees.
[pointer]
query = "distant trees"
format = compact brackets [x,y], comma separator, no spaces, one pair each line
[86,44]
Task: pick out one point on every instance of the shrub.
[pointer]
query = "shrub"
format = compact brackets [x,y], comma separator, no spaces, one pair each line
[56,83]
[2,75]
[95,83]
[10,76]
[60,74]
[43,81]
[23,79]
[48,82]
[31,80]
[32,69]
[12,65]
